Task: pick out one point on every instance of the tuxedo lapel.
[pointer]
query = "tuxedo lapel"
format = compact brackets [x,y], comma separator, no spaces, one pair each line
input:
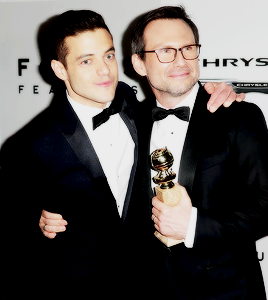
[75,134]
[193,141]
[84,150]
[127,116]
[77,138]
[144,134]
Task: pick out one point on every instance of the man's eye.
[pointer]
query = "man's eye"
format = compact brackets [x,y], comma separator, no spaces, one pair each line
[188,48]
[86,62]
[110,56]
[166,50]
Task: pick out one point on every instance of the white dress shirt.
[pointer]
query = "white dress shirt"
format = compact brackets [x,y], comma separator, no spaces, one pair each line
[171,132]
[113,145]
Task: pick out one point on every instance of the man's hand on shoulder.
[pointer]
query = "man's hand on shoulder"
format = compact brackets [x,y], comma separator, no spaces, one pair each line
[221,94]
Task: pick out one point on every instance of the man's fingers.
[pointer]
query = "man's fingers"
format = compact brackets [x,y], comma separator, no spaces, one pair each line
[221,94]
[209,87]
[54,228]
[50,235]
[157,227]
[52,216]
[230,99]
[52,219]
[234,97]
[157,204]
[240,97]
[51,222]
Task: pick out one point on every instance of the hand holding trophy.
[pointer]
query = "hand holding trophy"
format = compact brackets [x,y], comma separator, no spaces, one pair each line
[166,191]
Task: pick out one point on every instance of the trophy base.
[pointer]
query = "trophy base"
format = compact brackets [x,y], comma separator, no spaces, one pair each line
[170,197]
[167,241]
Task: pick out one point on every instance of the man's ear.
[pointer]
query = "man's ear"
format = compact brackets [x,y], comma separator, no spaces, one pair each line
[138,65]
[59,69]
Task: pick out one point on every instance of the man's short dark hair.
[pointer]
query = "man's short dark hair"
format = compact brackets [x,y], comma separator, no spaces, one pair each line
[165,12]
[72,23]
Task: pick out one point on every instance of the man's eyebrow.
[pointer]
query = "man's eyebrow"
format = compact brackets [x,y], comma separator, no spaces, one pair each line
[88,55]
[83,56]
[111,49]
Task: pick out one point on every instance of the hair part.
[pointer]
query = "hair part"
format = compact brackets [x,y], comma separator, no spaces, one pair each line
[164,12]
[70,24]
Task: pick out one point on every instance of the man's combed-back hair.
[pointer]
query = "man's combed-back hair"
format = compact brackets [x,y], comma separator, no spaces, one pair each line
[165,12]
[72,23]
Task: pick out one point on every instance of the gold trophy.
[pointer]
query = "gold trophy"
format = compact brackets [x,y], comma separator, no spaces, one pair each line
[166,190]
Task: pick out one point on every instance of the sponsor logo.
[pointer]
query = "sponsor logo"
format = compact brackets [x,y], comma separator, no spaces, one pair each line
[241,86]
[234,62]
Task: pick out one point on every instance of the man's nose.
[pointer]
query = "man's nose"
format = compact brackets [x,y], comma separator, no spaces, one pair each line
[179,60]
[102,68]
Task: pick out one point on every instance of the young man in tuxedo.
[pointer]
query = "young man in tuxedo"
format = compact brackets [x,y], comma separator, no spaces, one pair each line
[222,167]
[77,160]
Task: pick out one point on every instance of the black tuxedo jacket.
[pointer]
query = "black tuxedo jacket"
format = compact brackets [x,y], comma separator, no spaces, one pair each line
[224,168]
[52,164]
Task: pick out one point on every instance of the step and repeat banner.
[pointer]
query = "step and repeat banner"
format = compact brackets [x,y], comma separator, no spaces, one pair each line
[232,33]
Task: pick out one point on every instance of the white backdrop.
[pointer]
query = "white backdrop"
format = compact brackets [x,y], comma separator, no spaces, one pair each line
[232,34]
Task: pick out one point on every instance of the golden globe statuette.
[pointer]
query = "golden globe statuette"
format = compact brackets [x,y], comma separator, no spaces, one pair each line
[166,191]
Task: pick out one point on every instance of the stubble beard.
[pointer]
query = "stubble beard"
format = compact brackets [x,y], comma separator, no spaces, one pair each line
[177,91]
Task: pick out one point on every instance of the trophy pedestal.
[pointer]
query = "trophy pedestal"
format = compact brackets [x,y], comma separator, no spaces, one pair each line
[170,197]
[167,241]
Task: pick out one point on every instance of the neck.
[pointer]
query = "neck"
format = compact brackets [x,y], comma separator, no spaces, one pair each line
[169,101]
[83,100]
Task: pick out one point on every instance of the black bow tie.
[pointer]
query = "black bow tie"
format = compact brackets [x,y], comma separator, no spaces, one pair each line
[182,113]
[104,116]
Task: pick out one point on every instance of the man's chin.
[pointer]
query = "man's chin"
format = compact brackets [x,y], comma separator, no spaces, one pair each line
[107,94]
[182,90]
[105,98]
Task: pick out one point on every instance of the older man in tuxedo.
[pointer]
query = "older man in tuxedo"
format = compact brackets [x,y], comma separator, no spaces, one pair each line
[222,165]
